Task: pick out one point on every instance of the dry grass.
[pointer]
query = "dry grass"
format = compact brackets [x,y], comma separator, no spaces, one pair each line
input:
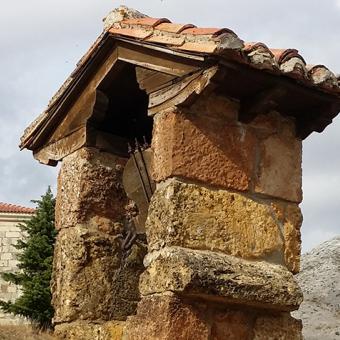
[22,333]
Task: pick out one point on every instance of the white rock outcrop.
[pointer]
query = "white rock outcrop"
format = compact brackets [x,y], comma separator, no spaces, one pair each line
[320,282]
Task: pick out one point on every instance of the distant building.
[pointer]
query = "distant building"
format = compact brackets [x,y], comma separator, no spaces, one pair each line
[10,216]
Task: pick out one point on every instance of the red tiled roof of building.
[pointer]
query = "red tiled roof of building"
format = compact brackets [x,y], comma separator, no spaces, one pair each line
[15,209]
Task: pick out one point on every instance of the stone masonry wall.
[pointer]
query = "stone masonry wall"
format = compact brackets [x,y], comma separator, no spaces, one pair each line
[9,236]
[251,176]
[223,227]
[94,281]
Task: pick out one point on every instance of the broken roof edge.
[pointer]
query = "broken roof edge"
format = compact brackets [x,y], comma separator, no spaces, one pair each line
[198,44]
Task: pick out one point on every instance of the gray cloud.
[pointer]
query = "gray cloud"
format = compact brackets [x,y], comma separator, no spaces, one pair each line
[42,40]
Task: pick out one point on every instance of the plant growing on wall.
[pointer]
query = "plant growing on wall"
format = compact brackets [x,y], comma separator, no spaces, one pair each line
[35,266]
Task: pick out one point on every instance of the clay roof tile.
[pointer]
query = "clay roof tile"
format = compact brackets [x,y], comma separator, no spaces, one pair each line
[12,208]
[321,75]
[252,46]
[136,32]
[214,32]
[147,21]
[173,28]
[283,55]
[260,56]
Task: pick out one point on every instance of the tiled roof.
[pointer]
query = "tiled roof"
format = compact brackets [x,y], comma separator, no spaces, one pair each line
[15,209]
[128,24]
[217,41]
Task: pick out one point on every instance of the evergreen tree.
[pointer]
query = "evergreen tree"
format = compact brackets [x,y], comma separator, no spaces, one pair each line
[35,266]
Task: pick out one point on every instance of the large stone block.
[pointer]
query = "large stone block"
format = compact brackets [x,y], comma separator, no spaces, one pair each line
[196,217]
[89,184]
[169,317]
[90,331]
[279,172]
[166,318]
[92,278]
[204,148]
[222,278]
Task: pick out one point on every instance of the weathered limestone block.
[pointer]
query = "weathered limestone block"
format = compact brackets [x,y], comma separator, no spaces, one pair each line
[292,236]
[89,184]
[166,317]
[196,217]
[204,148]
[281,326]
[222,278]
[91,278]
[90,331]
[169,317]
[279,172]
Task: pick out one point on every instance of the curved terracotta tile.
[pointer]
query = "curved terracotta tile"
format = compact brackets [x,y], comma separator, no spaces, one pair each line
[252,46]
[214,32]
[166,39]
[147,21]
[137,33]
[282,55]
[295,68]
[321,75]
[173,28]
[208,47]
[260,56]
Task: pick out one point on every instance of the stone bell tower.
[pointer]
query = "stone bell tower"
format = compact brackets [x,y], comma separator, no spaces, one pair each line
[218,238]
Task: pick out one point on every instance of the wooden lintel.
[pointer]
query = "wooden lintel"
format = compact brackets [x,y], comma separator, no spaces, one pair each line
[155,60]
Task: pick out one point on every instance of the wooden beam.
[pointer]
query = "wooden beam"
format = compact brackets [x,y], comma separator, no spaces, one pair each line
[181,90]
[54,152]
[155,60]
[151,81]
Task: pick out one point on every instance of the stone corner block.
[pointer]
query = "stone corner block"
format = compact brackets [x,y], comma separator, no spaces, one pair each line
[89,184]
[202,148]
[279,172]
[221,278]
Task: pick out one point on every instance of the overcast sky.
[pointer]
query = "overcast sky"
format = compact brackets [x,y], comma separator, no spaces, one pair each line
[41,40]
